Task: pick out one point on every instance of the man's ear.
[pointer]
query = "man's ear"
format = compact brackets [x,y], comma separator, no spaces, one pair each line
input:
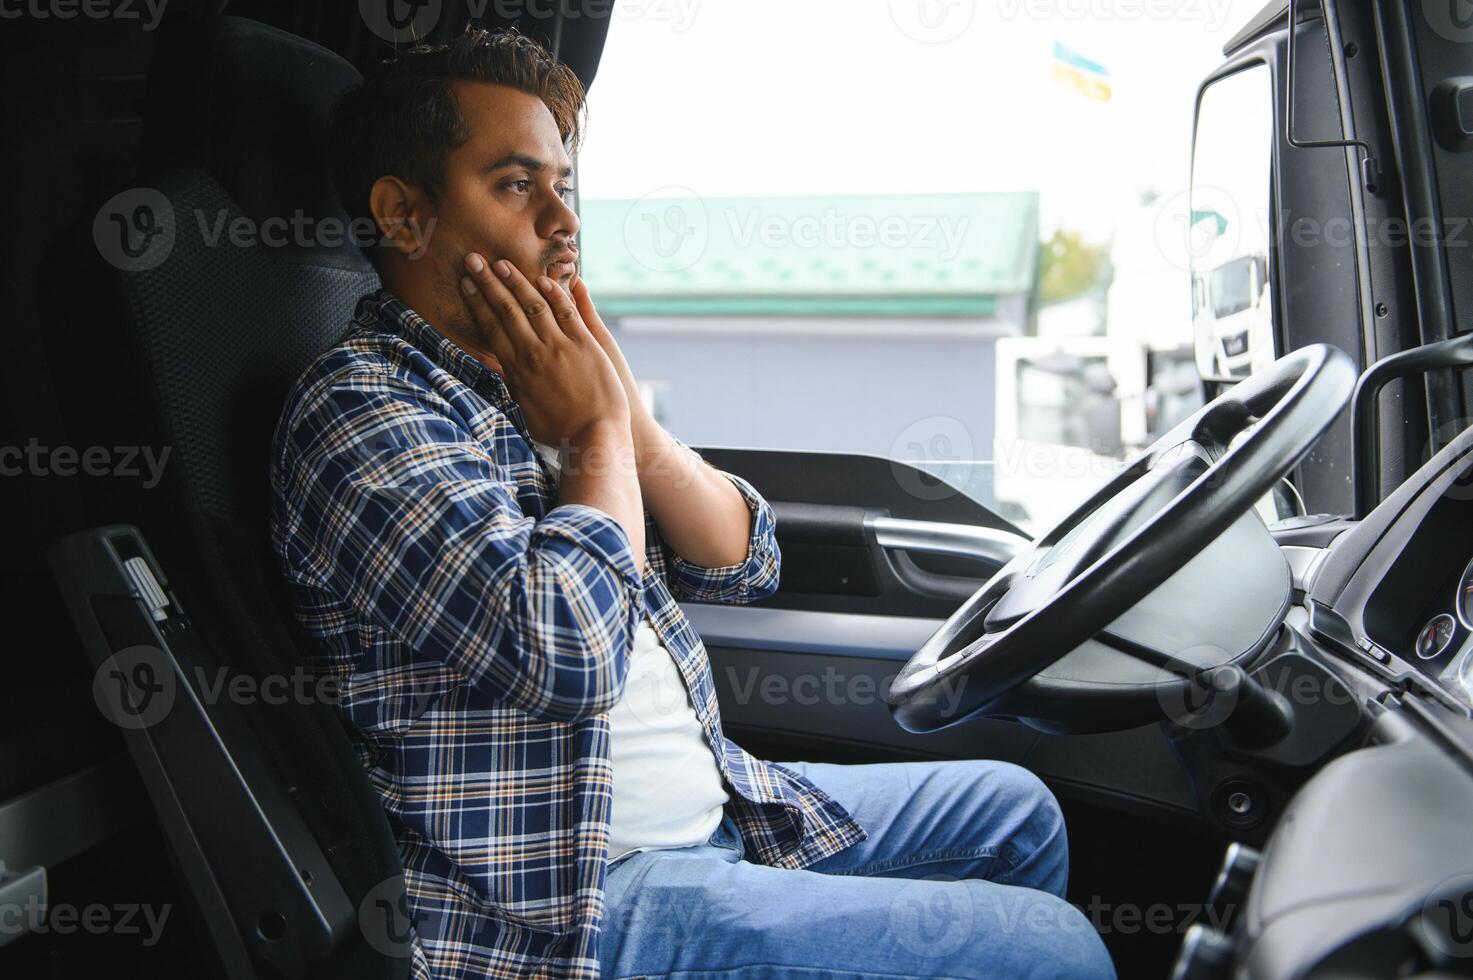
[403,215]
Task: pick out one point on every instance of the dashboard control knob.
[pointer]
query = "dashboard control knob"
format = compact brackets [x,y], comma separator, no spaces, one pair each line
[1206,954]
[1230,890]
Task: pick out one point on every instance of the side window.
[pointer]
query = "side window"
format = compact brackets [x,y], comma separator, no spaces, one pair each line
[949,239]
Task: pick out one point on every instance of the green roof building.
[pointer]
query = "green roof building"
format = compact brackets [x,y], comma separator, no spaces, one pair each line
[897,256]
[842,324]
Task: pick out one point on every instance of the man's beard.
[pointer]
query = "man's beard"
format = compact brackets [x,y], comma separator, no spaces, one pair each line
[554,251]
[452,301]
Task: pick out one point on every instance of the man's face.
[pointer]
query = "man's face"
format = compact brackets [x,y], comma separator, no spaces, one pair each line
[507,194]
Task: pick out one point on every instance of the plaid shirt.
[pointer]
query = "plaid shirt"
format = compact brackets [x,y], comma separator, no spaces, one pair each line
[478,632]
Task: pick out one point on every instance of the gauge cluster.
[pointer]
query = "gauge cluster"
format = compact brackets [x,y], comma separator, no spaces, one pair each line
[1413,596]
[1436,637]
[1465,597]
[1401,580]
[1444,644]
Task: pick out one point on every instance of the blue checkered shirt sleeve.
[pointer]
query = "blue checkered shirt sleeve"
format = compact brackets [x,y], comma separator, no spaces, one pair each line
[420,529]
[754,577]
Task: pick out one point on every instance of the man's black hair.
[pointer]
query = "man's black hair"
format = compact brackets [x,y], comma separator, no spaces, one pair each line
[404,121]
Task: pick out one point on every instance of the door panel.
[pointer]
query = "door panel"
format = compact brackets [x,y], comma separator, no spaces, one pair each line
[838,511]
[875,555]
[761,627]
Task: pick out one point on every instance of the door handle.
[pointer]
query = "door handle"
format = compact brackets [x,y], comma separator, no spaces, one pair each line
[942,538]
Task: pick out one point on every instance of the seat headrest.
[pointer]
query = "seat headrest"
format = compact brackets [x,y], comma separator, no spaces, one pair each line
[248,104]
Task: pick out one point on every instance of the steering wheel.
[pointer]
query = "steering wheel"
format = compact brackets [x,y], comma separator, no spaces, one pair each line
[1165,507]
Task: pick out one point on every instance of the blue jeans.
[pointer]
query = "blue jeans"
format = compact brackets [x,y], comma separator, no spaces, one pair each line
[962,875]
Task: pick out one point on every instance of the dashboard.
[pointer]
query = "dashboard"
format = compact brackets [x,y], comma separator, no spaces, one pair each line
[1444,644]
[1402,580]
[1367,871]
[1423,607]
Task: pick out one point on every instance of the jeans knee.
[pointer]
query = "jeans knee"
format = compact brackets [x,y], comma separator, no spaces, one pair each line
[1080,947]
[1055,938]
[1034,802]
[1033,789]
[1035,828]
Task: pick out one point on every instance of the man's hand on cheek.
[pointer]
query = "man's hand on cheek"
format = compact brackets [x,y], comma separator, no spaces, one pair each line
[578,289]
[555,369]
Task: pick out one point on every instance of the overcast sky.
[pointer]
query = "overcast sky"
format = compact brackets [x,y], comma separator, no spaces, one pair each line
[769,97]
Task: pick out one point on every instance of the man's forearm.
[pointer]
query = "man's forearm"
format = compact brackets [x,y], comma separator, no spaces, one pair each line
[701,516]
[596,473]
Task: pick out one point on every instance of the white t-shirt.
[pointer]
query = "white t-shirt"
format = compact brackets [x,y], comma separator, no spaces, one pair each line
[667,786]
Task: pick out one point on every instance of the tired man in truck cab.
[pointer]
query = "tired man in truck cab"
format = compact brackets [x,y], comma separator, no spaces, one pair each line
[488,536]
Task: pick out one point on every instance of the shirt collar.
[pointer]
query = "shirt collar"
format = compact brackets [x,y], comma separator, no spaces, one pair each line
[383,310]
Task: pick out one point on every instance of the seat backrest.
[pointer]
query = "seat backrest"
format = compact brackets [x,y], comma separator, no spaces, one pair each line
[209,303]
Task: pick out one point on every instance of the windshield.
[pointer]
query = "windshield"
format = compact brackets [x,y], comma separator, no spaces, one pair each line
[951,234]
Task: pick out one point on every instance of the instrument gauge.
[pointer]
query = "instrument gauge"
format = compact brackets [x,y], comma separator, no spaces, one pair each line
[1436,636]
[1465,596]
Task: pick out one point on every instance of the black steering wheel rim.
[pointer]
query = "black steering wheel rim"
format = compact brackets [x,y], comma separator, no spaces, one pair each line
[1283,408]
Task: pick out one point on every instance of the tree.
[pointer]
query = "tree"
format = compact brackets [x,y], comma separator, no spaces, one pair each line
[1069,266]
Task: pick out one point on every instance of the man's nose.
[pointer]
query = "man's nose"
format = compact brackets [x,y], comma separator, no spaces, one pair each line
[558,221]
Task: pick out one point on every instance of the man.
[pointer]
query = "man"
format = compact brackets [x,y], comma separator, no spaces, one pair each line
[488,535]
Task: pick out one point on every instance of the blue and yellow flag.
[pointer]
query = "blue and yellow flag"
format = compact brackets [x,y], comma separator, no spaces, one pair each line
[1088,78]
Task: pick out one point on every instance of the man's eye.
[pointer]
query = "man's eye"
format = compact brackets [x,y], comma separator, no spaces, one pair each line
[566,193]
[520,186]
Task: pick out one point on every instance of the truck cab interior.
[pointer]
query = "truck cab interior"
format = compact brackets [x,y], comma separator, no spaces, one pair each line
[1260,724]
